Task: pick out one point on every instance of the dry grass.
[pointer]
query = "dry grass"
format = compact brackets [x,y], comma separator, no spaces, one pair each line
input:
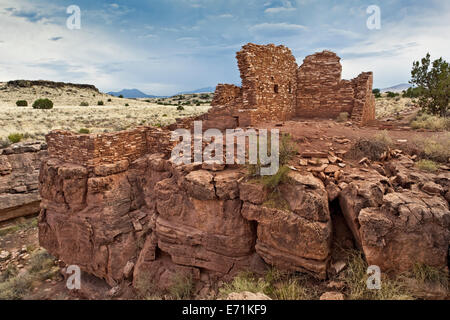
[356,280]
[275,284]
[97,119]
[430,122]
[15,286]
[392,107]
[182,287]
[427,165]
[434,148]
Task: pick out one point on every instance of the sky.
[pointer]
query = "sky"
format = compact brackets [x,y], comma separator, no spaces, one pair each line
[166,46]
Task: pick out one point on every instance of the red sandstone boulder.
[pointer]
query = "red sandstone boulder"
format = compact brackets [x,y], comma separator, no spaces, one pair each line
[298,238]
[408,229]
[210,234]
[398,230]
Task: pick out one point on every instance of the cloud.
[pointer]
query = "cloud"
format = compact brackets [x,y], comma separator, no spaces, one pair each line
[286,7]
[276,29]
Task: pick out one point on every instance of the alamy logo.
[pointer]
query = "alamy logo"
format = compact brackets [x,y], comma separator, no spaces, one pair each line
[74,280]
[74,21]
[374,20]
[190,149]
[374,279]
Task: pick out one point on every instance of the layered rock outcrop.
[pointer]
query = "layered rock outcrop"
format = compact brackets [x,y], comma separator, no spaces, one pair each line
[158,220]
[397,221]
[19,170]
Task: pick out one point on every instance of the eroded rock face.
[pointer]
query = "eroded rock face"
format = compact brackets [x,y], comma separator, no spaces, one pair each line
[19,170]
[298,238]
[409,228]
[123,219]
[152,220]
[399,221]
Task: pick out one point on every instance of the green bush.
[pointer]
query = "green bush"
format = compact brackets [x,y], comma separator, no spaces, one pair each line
[22,103]
[427,165]
[434,80]
[412,93]
[84,131]
[180,108]
[109,100]
[84,104]
[121,96]
[127,105]
[182,287]
[15,137]
[100,103]
[392,94]
[43,104]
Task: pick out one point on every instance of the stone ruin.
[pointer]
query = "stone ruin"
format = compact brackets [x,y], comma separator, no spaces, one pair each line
[274,88]
[116,206]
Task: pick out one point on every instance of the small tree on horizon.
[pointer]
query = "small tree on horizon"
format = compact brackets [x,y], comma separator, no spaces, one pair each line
[433,79]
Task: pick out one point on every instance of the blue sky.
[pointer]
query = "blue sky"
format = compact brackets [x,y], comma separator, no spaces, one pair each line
[166,46]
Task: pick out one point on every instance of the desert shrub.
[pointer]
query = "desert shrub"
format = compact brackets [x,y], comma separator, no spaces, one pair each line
[198,104]
[41,262]
[22,103]
[427,165]
[9,273]
[145,286]
[109,100]
[15,288]
[288,149]
[272,182]
[377,93]
[245,281]
[100,103]
[291,290]
[15,137]
[343,117]
[412,93]
[4,143]
[384,138]
[433,148]
[424,273]
[355,277]
[180,108]
[43,104]
[390,94]
[84,131]
[120,96]
[84,104]
[370,148]
[433,78]
[276,201]
[430,122]
[182,286]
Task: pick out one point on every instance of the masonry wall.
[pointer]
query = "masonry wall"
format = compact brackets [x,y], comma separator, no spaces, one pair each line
[321,92]
[274,88]
[269,81]
[95,149]
[364,103]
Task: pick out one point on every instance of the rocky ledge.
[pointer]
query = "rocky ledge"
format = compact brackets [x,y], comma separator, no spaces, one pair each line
[19,171]
[152,220]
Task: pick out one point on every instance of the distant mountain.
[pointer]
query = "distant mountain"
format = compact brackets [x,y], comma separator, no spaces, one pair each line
[201,90]
[131,93]
[397,88]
